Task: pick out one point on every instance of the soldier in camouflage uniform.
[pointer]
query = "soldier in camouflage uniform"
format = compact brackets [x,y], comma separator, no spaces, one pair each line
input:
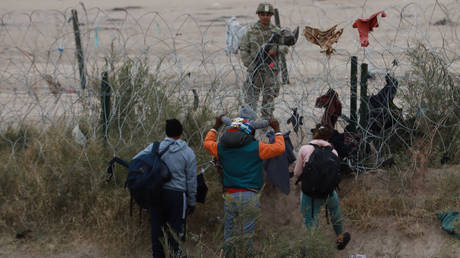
[265,77]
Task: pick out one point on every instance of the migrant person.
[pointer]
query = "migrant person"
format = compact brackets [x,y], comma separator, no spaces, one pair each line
[177,197]
[311,206]
[262,77]
[241,158]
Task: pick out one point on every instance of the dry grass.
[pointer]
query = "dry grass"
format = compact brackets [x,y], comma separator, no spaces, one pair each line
[377,195]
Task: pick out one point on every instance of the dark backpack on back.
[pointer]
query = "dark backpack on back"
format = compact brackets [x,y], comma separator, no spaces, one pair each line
[147,174]
[321,174]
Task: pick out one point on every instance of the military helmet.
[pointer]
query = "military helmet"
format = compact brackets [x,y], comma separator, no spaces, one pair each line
[265,8]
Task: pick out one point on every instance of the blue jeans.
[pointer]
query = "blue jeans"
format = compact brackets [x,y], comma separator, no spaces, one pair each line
[241,212]
[311,217]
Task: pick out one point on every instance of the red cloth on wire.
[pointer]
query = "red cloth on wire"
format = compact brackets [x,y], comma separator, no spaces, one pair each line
[366,25]
[333,108]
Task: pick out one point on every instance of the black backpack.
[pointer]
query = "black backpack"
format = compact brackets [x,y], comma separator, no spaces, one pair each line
[146,175]
[321,174]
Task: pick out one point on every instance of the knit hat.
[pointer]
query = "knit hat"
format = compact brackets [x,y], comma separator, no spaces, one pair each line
[241,124]
[246,112]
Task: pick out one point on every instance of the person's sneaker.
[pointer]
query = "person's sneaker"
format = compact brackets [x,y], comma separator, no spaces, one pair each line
[342,244]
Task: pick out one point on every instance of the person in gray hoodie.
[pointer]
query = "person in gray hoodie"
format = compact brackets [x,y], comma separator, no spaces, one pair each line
[177,198]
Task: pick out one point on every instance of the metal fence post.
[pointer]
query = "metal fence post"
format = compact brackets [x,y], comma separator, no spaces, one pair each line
[79,51]
[105,103]
[353,91]
[363,108]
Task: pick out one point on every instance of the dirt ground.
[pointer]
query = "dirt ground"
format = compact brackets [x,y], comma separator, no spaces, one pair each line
[376,237]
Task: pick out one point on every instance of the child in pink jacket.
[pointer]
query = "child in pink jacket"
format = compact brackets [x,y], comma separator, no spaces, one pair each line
[321,135]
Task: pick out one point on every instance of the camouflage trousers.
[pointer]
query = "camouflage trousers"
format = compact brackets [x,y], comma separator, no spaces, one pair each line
[267,83]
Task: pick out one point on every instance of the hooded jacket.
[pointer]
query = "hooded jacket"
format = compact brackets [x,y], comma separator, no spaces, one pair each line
[181,162]
[242,162]
[236,139]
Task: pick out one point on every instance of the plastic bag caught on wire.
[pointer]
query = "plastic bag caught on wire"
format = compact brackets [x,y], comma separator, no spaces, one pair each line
[235,32]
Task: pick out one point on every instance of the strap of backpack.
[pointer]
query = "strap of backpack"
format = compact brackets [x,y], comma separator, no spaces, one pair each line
[163,152]
[317,146]
[314,145]
[110,167]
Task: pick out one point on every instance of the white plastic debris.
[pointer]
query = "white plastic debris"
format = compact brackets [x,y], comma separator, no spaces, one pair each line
[78,136]
[235,32]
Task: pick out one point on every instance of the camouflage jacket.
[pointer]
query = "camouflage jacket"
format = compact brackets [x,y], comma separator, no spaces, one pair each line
[251,42]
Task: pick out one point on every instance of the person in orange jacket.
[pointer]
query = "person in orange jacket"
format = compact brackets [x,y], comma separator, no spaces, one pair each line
[241,157]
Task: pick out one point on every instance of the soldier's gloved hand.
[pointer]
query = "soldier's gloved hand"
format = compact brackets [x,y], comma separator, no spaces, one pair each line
[274,124]
[190,210]
[218,122]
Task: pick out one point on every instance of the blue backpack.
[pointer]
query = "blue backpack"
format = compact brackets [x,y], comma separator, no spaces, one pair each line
[146,175]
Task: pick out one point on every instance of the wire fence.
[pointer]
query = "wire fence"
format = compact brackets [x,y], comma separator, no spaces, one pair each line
[41,82]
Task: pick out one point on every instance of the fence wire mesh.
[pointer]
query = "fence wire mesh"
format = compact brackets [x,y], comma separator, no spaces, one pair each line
[152,59]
